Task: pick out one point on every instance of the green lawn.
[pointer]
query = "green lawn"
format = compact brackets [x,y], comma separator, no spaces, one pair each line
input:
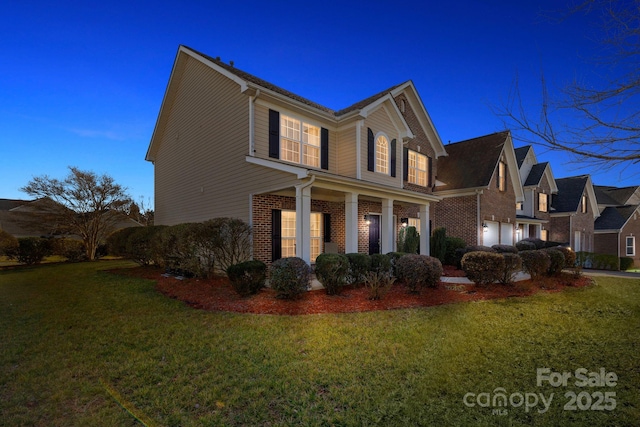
[79,346]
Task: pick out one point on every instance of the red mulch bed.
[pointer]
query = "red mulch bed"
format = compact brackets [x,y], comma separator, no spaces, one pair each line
[218,295]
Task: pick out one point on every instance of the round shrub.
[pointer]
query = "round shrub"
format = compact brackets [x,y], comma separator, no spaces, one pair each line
[394,257]
[419,270]
[626,263]
[289,277]
[332,270]
[473,248]
[139,246]
[536,263]
[505,249]
[482,267]
[512,266]
[248,277]
[380,263]
[569,256]
[525,245]
[72,250]
[557,261]
[32,250]
[117,241]
[8,245]
[453,244]
[359,265]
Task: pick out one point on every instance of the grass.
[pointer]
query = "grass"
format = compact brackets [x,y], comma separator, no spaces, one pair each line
[80,346]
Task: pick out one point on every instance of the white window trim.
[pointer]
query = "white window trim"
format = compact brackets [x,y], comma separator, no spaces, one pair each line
[375,151]
[633,245]
[546,202]
[303,121]
[417,169]
[319,238]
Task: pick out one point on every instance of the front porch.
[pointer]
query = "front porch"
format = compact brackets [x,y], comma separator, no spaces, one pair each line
[318,216]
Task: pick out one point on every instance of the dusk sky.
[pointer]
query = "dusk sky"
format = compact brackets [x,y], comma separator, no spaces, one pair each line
[81,83]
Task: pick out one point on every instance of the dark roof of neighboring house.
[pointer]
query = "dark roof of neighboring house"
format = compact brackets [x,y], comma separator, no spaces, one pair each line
[536,174]
[614,217]
[471,163]
[265,84]
[570,192]
[8,204]
[521,154]
[608,195]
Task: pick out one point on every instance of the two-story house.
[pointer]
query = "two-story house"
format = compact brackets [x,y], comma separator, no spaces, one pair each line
[480,185]
[539,187]
[574,211]
[307,178]
[618,226]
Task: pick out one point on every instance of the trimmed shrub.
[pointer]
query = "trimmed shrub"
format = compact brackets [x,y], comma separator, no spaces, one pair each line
[227,240]
[557,261]
[525,245]
[8,245]
[453,244]
[439,244]
[332,270]
[512,266]
[117,241]
[248,277]
[569,256]
[460,253]
[483,267]
[32,250]
[626,263]
[505,249]
[408,240]
[359,264]
[140,246]
[419,270]
[536,263]
[539,243]
[379,283]
[380,263]
[597,261]
[72,250]
[289,277]
[394,257]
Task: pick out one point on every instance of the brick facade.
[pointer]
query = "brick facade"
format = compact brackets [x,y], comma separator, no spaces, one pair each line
[459,216]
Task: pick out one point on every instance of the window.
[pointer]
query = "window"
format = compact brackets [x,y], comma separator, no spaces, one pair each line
[382,154]
[417,168]
[543,202]
[414,222]
[544,235]
[631,245]
[299,142]
[519,206]
[583,204]
[289,234]
[502,176]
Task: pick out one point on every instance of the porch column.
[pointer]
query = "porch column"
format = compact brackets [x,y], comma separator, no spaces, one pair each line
[425,238]
[387,230]
[351,223]
[303,223]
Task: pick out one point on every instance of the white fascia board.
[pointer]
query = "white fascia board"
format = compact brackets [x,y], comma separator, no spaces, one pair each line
[592,198]
[228,74]
[612,231]
[447,194]
[282,167]
[552,181]
[424,118]
[388,103]
[512,164]
[290,103]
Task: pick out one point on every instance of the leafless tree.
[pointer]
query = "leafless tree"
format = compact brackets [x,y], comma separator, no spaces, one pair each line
[598,125]
[84,204]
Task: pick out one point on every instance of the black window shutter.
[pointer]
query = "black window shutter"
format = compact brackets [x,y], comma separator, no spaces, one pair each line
[276,234]
[371,164]
[327,227]
[393,158]
[274,134]
[405,163]
[324,148]
[430,172]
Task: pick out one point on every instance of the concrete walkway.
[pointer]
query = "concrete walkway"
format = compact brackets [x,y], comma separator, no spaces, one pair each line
[628,275]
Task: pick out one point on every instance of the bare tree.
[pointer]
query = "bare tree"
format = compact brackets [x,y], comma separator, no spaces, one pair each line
[598,125]
[83,204]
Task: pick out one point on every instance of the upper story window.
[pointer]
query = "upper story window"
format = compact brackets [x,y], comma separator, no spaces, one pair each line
[382,154]
[583,204]
[502,176]
[543,202]
[519,206]
[299,141]
[418,170]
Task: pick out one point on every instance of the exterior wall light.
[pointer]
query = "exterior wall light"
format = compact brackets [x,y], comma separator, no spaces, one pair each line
[367,219]
[404,221]
[485,227]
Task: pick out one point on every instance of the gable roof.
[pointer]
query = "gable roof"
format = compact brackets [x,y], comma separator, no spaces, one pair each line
[614,217]
[249,81]
[570,191]
[536,174]
[614,196]
[521,154]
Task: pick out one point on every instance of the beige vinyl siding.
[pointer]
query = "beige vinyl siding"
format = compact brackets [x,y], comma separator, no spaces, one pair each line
[200,166]
[346,159]
[379,121]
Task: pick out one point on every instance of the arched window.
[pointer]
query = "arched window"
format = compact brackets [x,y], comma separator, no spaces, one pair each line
[382,154]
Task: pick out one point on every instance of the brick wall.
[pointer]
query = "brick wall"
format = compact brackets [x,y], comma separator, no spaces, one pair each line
[606,244]
[459,216]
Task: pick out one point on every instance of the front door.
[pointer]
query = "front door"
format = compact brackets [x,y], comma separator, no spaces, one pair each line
[374,234]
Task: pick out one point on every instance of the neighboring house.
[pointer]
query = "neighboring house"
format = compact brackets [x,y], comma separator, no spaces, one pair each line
[539,188]
[307,178]
[618,226]
[480,185]
[574,210]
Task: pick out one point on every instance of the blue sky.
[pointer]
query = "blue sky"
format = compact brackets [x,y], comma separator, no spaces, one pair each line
[81,83]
